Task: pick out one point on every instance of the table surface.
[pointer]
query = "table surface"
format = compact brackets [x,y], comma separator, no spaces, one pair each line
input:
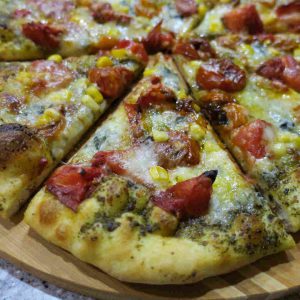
[18,284]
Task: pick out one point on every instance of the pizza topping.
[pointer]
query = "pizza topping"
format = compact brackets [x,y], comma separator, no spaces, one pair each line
[11,102]
[112,81]
[72,184]
[221,74]
[244,18]
[290,15]
[21,13]
[158,40]
[186,49]
[146,8]
[137,49]
[285,69]
[44,35]
[53,9]
[215,113]
[236,114]
[186,8]
[157,94]
[189,198]
[253,138]
[134,115]
[49,75]
[179,150]
[103,12]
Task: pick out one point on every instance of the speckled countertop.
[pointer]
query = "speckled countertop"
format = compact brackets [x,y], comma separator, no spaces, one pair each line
[16,284]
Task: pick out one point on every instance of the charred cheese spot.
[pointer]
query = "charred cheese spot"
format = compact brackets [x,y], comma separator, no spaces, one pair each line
[48,212]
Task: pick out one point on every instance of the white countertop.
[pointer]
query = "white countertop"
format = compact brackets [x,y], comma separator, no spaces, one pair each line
[17,284]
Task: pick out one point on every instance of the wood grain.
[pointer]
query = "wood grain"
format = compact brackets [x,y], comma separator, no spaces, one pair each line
[269,278]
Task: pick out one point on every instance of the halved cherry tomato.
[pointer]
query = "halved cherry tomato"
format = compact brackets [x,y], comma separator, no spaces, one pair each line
[44,35]
[71,184]
[251,138]
[221,74]
[244,18]
[188,198]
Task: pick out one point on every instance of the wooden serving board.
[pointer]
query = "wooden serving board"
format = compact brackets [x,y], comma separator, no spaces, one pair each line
[270,278]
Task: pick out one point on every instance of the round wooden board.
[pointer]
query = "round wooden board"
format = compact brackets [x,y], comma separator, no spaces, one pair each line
[271,277]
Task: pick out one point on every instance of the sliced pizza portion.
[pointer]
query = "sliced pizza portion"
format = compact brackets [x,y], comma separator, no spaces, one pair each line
[256,113]
[32,29]
[153,197]
[47,105]
[251,17]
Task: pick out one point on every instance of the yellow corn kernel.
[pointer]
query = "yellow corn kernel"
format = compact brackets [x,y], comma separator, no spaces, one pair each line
[215,26]
[148,72]
[274,52]
[297,53]
[94,93]
[269,19]
[113,32]
[121,8]
[159,174]
[181,94]
[43,120]
[64,95]
[196,132]
[202,9]
[56,58]
[24,77]
[103,61]
[90,103]
[119,53]
[286,137]
[279,149]
[246,49]
[196,107]
[297,142]
[53,114]
[160,136]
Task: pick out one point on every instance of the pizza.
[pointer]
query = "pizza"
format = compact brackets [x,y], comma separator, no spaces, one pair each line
[251,17]
[194,172]
[32,29]
[248,87]
[46,107]
[149,199]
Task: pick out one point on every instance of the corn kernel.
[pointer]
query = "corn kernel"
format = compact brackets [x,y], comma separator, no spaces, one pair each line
[160,136]
[159,174]
[148,72]
[104,61]
[181,94]
[196,107]
[215,26]
[56,58]
[269,19]
[246,49]
[94,93]
[90,103]
[121,8]
[113,32]
[297,142]
[24,77]
[53,114]
[119,53]
[297,53]
[202,9]
[196,132]
[274,52]
[279,149]
[286,138]
[64,95]
[43,120]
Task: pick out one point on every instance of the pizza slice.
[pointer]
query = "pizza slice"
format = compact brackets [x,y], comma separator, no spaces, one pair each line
[253,101]
[47,105]
[251,17]
[32,29]
[153,197]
